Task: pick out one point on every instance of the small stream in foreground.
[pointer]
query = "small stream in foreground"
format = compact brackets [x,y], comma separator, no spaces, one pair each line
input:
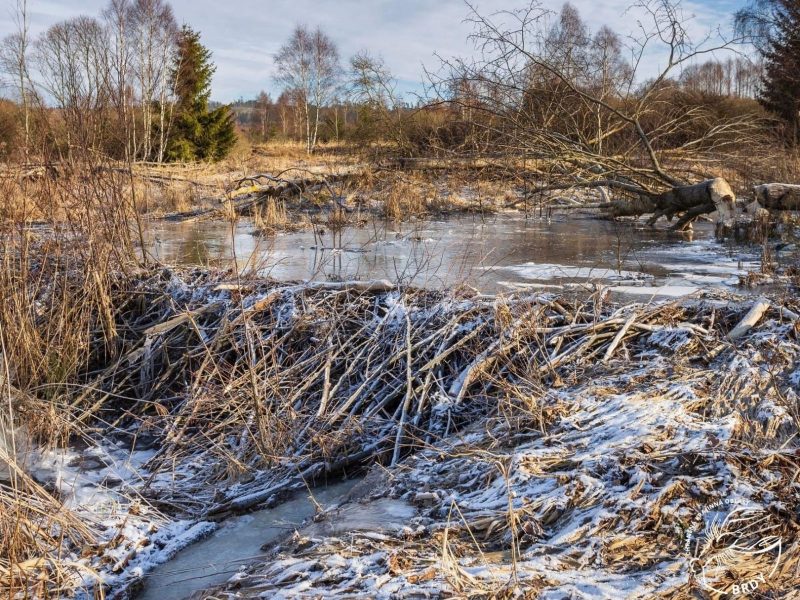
[236,543]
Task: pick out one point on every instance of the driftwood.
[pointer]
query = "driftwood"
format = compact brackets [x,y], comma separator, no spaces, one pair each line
[777,196]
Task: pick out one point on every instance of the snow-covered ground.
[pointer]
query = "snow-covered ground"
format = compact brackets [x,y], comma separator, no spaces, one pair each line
[102,485]
[622,482]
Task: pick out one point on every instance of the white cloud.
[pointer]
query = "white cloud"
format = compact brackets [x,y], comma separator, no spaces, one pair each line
[244,35]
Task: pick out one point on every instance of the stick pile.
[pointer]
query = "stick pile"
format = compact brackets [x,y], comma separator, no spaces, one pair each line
[253,387]
[668,470]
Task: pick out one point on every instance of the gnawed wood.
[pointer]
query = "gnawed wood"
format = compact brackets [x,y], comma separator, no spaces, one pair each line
[777,196]
[687,202]
[691,201]
[752,318]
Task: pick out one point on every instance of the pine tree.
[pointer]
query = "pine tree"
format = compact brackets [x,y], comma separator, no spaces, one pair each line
[781,83]
[199,133]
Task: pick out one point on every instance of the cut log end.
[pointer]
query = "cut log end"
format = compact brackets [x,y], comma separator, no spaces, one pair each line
[777,196]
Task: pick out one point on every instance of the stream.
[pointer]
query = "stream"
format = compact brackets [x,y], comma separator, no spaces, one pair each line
[499,253]
[237,542]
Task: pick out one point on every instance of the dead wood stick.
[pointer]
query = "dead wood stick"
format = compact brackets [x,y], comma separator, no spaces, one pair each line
[618,338]
[461,383]
[174,322]
[752,317]
[447,352]
[409,394]
[788,314]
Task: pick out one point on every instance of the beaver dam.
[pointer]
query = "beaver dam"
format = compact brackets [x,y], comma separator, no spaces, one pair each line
[524,325]
[520,445]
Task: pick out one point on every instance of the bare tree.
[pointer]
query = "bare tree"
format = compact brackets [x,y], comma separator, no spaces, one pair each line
[14,62]
[372,87]
[554,94]
[370,82]
[610,76]
[263,107]
[154,32]
[308,64]
[284,108]
[117,17]
[71,58]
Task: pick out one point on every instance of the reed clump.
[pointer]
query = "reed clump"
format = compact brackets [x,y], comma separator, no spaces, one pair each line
[62,254]
[36,533]
[405,199]
[271,216]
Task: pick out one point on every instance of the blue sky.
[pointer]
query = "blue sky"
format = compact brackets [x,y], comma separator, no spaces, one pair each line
[245,34]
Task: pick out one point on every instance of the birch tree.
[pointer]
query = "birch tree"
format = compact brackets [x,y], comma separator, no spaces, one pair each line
[308,64]
[154,32]
[117,18]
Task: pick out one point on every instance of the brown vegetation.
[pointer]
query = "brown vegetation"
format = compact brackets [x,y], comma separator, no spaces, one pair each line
[268,384]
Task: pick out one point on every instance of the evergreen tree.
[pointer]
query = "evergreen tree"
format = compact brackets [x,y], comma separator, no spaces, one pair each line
[199,133]
[781,83]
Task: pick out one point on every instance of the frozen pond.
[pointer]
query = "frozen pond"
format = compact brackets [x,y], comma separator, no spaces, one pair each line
[493,254]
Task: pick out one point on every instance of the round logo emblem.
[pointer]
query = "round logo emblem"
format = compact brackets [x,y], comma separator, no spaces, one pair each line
[733,548]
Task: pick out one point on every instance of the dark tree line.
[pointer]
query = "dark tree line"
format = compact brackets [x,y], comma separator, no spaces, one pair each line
[129,85]
[773,26]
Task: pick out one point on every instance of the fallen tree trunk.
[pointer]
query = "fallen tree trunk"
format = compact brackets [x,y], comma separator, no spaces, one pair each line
[688,201]
[778,196]
[244,198]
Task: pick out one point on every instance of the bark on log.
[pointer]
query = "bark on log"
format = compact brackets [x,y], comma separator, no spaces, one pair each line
[688,201]
[778,196]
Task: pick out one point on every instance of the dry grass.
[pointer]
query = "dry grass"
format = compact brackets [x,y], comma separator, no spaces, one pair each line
[405,199]
[56,321]
[179,197]
[271,216]
[34,527]
[159,189]
[256,377]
